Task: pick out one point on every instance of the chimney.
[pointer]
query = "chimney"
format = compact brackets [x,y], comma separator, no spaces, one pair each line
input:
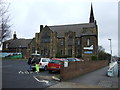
[14,36]
[41,27]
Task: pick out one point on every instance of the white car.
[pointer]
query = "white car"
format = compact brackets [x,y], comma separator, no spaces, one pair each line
[42,64]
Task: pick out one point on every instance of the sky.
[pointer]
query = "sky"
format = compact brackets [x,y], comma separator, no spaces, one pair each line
[26,16]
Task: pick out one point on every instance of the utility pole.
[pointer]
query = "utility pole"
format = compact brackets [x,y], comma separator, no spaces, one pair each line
[110,49]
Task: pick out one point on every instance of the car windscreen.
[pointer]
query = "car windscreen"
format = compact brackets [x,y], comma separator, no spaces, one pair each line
[71,60]
[45,60]
[54,61]
[77,59]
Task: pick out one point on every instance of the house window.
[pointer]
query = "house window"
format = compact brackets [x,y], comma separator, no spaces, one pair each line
[61,52]
[61,43]
[45,38]
[6,45]
[33,49]
[88,41]
[78,42]
[78,51]
[70,41]
[70,52]
[42,53]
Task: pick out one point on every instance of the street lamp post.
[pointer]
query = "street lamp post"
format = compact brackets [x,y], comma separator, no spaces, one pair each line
[110,49]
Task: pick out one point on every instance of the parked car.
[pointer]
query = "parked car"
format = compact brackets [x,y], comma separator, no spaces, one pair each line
[73,59]
[54,65]
[77,59]
[43,63]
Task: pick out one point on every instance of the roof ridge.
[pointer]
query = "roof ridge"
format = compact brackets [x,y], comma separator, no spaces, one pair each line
[70,24]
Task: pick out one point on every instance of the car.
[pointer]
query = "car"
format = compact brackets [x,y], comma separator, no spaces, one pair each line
[73,59]
[54,65]
[77,59]
[43,63]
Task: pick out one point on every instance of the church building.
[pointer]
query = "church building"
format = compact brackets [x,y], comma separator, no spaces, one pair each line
[74,40]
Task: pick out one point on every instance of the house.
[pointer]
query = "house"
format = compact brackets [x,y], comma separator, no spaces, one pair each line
[16,45]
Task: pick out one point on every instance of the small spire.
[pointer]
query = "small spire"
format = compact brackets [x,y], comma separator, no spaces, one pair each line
[91,20]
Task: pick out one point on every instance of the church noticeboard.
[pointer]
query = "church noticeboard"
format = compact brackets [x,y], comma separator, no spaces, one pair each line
[88,48]
[87,52]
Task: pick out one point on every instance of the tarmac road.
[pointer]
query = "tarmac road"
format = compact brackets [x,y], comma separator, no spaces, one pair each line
[14,76]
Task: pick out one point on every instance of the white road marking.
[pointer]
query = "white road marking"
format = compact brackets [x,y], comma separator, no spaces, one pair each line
[21,72]
[25,72]
[45,81]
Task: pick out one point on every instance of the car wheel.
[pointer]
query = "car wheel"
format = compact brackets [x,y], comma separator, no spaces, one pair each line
[45,68]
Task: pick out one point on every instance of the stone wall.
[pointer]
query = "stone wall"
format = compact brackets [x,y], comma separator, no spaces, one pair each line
[75,69]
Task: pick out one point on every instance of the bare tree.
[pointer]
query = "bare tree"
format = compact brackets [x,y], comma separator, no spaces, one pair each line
[4,19]
[102,55]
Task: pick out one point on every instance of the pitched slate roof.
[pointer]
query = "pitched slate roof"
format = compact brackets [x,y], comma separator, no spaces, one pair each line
[14,43]
[78,28]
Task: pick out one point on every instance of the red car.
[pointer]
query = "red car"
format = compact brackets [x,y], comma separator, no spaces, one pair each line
[54,65]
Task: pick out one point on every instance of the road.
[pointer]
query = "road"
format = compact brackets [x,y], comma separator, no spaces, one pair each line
[13,78]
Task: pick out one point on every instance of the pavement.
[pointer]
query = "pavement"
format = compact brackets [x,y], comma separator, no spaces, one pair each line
[96,79]
[72,85]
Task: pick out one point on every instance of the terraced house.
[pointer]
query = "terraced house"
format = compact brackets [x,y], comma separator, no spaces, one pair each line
[74,40]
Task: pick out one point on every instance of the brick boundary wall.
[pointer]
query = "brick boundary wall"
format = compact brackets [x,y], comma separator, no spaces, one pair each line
[76,69]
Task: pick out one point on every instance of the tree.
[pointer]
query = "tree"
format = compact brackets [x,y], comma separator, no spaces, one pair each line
[4,19]
[102,55]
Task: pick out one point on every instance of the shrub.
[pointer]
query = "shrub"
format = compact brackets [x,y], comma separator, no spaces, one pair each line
[94,57]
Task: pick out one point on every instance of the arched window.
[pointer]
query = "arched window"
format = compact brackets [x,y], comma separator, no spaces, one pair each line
[70,40]
[45,38]
[88,41]
[61,43]
[61,52]
[78,42]
[70,52]
[7,45]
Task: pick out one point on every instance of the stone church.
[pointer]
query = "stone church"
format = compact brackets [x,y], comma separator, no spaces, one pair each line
[74,40]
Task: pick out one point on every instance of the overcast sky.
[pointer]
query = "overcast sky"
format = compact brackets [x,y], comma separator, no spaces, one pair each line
[27,16]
